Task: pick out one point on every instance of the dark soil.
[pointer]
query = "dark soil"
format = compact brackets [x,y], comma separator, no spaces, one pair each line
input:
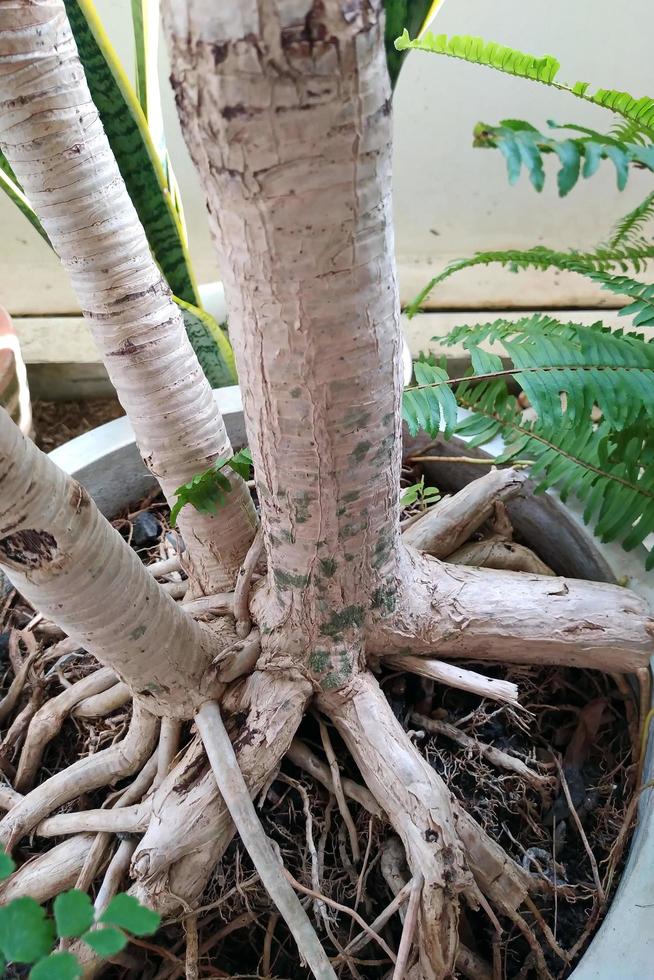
[57,422]
[535,827]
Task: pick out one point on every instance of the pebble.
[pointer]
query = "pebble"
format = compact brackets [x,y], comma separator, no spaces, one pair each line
[146,530]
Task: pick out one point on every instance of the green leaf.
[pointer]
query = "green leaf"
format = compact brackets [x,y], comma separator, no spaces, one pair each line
[73,912]
[545,69]
[132,145]
[106,942]
[57,966]
[15,193]
[401,14]
[7,865]
[206,492]
[25,933]
[594,265]
[241,463]
[591,147]
[128,913]
[210,343]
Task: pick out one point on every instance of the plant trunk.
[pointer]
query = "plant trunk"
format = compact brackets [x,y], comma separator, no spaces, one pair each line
[286,110]
[52,136]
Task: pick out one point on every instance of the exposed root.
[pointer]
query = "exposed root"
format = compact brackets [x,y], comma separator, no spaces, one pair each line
[418,806]
[45,876]
[410,925]
[118,868]
[48,720]
[236,795]
[450,522]
[498,553]
[512,617]
[302,756]
[338,791]
[121,820]
[171,730]
[10,699]
[83,776]
[243,583]
[100,705]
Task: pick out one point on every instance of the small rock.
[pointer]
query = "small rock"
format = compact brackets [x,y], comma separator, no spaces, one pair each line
[146,530]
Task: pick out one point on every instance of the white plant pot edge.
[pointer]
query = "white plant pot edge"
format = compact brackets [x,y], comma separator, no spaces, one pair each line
[107,462]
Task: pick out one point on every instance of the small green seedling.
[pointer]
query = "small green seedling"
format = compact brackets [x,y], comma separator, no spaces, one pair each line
[207,491]
[419,494]
[28,933]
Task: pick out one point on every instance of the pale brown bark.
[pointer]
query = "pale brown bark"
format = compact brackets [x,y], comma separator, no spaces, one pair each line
[66,559]
[52,136]
[516,617]
[286,111]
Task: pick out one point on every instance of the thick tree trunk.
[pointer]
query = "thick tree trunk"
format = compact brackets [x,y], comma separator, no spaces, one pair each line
[52,136]
[286,111]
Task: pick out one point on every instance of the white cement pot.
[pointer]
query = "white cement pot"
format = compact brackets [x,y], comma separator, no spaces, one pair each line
[106,461]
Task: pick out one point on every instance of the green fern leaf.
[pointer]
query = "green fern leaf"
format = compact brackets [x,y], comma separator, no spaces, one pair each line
[639,112]
[591,264]
[628,230]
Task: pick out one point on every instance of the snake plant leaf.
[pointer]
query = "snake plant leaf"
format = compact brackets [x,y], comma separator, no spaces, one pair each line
[14,191]
[210,343]
[132,145]
[411,15]
[146,22]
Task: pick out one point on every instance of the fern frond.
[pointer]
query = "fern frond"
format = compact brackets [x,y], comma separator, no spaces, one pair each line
[544,69]
[623,257]
[611,473]
[521,144]
[591,365]
[430,405]
[628,230]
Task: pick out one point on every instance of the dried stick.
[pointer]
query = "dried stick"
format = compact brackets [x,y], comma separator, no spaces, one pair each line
[495,756]
[236,795]
[409,929]
[338,791]
[458,677]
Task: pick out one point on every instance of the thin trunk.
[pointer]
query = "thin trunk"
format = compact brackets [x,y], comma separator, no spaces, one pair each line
[286,111]
[52,136]
[72,565]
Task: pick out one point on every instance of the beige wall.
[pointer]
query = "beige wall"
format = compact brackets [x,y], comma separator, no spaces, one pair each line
[442,185]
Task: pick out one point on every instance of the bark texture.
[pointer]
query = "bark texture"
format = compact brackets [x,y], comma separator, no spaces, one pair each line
[286,111]
[72,565]
[52,136]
